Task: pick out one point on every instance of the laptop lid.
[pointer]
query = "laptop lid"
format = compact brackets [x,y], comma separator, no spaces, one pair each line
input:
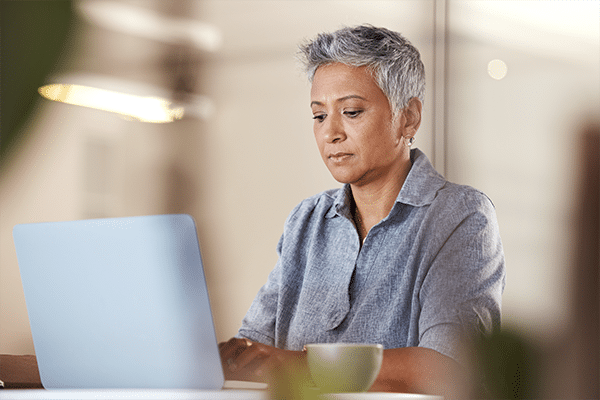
[119,303]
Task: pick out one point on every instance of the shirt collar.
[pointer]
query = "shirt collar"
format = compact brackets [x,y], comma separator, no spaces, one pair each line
[341,203]
[422,183]
[419,189]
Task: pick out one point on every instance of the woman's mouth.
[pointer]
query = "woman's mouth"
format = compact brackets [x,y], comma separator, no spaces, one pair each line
[337,157]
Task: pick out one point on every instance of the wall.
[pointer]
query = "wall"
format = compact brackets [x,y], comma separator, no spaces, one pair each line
[517,138]
[239,173]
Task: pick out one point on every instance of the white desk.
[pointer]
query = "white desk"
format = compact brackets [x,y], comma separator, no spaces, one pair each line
[35,394]
[227,394]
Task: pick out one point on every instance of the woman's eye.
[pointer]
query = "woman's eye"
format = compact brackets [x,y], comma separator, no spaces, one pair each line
[319,117]
[352,113]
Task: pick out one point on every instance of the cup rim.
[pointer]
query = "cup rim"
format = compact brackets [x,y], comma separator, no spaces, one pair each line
[340,344]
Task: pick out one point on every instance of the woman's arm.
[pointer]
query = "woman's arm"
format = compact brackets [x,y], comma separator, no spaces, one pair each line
[405,370]
[421,370]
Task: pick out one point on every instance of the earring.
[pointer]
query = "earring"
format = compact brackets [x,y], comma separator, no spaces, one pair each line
[410,141]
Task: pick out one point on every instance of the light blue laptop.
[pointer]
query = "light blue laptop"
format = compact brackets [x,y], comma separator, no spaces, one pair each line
[119,303]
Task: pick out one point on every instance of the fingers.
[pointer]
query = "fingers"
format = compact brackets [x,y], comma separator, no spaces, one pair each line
[245,360]
[253,355]
[231,349]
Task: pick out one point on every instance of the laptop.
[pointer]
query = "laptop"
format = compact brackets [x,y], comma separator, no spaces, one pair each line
[119,303]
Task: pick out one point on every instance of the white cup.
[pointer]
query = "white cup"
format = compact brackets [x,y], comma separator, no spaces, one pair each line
[344,367]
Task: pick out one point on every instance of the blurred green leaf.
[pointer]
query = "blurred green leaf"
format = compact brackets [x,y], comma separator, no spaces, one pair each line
[33,36]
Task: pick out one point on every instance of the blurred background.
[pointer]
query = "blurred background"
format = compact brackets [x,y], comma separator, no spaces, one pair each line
[511,85]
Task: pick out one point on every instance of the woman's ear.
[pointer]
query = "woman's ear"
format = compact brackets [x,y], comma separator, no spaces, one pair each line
[412,114]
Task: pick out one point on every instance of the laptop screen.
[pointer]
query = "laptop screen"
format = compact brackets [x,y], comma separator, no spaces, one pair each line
[119,303]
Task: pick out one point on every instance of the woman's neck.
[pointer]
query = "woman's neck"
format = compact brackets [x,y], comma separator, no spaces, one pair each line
[373,202]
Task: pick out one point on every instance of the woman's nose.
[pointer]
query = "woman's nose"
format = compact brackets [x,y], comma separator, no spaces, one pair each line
[334,129]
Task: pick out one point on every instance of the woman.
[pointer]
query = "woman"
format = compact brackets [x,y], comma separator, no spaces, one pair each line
[398,256]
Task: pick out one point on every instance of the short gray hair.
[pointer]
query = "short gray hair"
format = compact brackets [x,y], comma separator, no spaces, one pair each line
[395,63]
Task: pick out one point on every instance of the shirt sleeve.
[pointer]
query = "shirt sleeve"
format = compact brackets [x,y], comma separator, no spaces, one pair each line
[461,291]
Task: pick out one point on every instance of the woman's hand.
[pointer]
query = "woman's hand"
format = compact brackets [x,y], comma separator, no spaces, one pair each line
[245,360]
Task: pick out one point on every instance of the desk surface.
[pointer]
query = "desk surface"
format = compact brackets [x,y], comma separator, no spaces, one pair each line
[132,394]
[19,372]
[22,381]
[34,394]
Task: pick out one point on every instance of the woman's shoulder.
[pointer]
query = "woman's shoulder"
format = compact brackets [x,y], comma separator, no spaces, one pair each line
[316,205]
[324,199]
[463,198]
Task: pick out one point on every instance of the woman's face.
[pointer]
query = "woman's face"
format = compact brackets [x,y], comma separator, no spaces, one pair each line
[353,126]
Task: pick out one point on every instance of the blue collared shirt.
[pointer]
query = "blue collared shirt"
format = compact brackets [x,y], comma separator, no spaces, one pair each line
[426,275]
